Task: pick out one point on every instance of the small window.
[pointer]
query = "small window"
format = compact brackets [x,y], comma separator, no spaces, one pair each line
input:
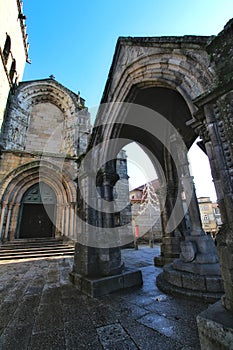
[7,48]
[12,70]
[205,219]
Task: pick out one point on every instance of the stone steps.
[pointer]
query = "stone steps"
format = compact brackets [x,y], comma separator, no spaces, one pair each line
[36,248]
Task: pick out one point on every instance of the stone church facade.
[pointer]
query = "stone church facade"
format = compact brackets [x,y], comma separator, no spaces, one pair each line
[44,138]
[45,129]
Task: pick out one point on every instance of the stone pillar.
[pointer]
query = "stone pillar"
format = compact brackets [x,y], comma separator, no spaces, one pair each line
[13,226]
[98,270]
[196,272]
[72,220]
[67,219]
[215,326]
[2,221]
[217,332]
[59,220]
[220,152]
[170,247]
[8,221]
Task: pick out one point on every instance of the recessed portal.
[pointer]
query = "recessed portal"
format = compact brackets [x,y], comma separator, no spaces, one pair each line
[37,212]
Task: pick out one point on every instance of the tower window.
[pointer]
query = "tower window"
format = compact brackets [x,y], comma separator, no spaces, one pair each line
[7,48]
[12,70]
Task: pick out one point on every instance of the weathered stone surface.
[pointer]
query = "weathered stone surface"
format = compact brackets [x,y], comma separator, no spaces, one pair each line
[96,287]
[174,277]
[194,282]
[188,251]
[79,321]
[198,268]
[215,327]
[194,285]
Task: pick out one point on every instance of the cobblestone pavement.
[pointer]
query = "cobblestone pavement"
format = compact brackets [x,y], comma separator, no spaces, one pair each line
[41,309]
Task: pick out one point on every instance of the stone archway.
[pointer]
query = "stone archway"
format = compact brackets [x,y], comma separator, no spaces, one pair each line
[37,214]
[21,180]
[200,70]
[164,74]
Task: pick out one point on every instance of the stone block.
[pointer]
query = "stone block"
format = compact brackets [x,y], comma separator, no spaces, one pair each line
[96,287]
[194,282]
[172,276]
[214,284]
[215,328]
[201,269]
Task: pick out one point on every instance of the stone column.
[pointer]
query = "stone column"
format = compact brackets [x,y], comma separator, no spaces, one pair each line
[8,221]
[220,152]
[196,272]
[98,270]
[13,226]
[2,221]
[170,247]
[72,220]
[215,325]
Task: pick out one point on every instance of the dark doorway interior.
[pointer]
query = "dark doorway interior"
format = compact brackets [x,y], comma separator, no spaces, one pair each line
[35,221]
[37,214]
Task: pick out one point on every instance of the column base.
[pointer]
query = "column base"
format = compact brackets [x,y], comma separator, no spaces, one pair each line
[98,286]
[160,261]
[215,328]
[192,285]
[170,250]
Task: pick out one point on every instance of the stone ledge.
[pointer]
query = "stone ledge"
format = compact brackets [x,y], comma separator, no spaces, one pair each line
[212,269]
[96,287]
[215,327]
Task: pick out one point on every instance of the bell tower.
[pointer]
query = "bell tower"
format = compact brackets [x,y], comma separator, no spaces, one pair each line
[13,48]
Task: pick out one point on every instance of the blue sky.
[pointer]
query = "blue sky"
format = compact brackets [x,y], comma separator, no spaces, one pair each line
[75,41]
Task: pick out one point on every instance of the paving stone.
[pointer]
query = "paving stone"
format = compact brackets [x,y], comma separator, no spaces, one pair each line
[26,311]
[15,337]
[114,336]
[103,315]
[7,310]
[50,317]
[66,319]
[52,340]
[148,339]
[81,334]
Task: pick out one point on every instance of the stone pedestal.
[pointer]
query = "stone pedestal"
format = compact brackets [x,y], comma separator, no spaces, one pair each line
[98,286]
[99,271]
[197,273]
[215,327]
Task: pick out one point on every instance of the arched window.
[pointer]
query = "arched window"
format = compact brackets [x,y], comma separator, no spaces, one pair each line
[7,48]
[12,70]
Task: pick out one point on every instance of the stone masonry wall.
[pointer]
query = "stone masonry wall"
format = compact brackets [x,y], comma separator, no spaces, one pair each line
[45,128]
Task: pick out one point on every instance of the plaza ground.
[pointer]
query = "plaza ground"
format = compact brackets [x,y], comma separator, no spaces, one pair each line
[41,309]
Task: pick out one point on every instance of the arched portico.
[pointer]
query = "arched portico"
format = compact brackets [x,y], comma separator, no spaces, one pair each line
[161,76]
[200,70]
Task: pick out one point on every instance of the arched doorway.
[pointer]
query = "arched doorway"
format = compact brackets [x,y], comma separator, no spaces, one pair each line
[37,214]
